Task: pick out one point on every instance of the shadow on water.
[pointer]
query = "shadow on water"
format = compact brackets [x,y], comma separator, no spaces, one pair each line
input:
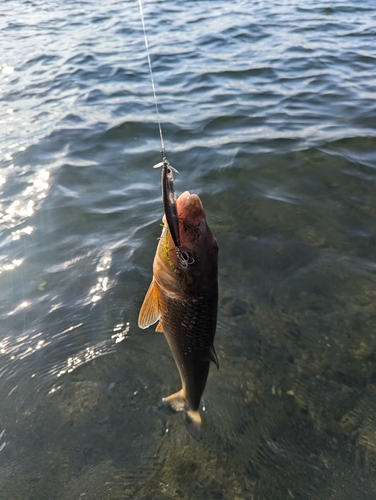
[269,114]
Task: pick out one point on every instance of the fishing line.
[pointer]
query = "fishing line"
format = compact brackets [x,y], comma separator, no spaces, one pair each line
[169,199]
[163,150]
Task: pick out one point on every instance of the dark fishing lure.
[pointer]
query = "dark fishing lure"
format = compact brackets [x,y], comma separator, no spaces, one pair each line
[169,199]
[185,258]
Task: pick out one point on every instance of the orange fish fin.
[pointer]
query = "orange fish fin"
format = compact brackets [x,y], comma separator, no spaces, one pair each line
[149,312]
[159,328]
[213,356]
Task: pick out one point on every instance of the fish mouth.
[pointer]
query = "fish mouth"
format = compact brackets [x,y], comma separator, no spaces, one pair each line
[190,209]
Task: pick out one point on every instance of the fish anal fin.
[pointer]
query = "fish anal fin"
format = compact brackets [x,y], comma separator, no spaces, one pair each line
[159,328]
[213,356]
[149,312]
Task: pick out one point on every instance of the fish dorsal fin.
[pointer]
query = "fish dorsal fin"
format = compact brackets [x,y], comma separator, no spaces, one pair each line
[149,312]
[159,327]
[213,355]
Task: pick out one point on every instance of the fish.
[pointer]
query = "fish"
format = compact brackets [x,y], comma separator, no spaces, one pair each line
[183,299]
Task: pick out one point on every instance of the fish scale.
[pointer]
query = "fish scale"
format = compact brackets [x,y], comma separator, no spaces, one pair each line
[196,317]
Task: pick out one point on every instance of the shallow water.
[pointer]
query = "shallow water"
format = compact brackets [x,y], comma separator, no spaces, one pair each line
[268,111]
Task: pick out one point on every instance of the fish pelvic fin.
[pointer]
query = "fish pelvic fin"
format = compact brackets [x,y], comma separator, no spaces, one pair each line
[192,418]
[159,327]
[149,312]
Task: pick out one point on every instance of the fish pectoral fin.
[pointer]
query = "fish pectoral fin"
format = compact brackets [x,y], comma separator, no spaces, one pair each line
[149,312]
[159,328]
[213,356]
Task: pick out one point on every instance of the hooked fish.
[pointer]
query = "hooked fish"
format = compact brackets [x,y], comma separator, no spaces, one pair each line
[183,297]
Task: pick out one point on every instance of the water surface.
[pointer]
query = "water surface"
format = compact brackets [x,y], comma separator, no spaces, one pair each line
[268,111]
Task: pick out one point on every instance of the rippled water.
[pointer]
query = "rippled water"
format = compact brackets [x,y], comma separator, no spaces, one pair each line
[268,111]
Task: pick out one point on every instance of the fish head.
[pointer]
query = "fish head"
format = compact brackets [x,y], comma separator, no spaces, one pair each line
[198,246]
[191,215]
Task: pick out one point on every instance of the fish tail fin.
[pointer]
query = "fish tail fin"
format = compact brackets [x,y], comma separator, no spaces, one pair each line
[178,403]
[193,423]
[174,403]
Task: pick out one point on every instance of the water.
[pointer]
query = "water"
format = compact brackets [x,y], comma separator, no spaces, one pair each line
[268,111]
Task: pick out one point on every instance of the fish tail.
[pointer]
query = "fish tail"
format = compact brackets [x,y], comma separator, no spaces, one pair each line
[192,418]
[193,423]
[174,403]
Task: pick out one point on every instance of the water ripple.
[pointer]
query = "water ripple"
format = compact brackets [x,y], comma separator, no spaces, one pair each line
[268,112]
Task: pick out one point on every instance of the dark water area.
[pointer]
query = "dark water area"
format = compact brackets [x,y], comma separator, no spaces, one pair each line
[268,111]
